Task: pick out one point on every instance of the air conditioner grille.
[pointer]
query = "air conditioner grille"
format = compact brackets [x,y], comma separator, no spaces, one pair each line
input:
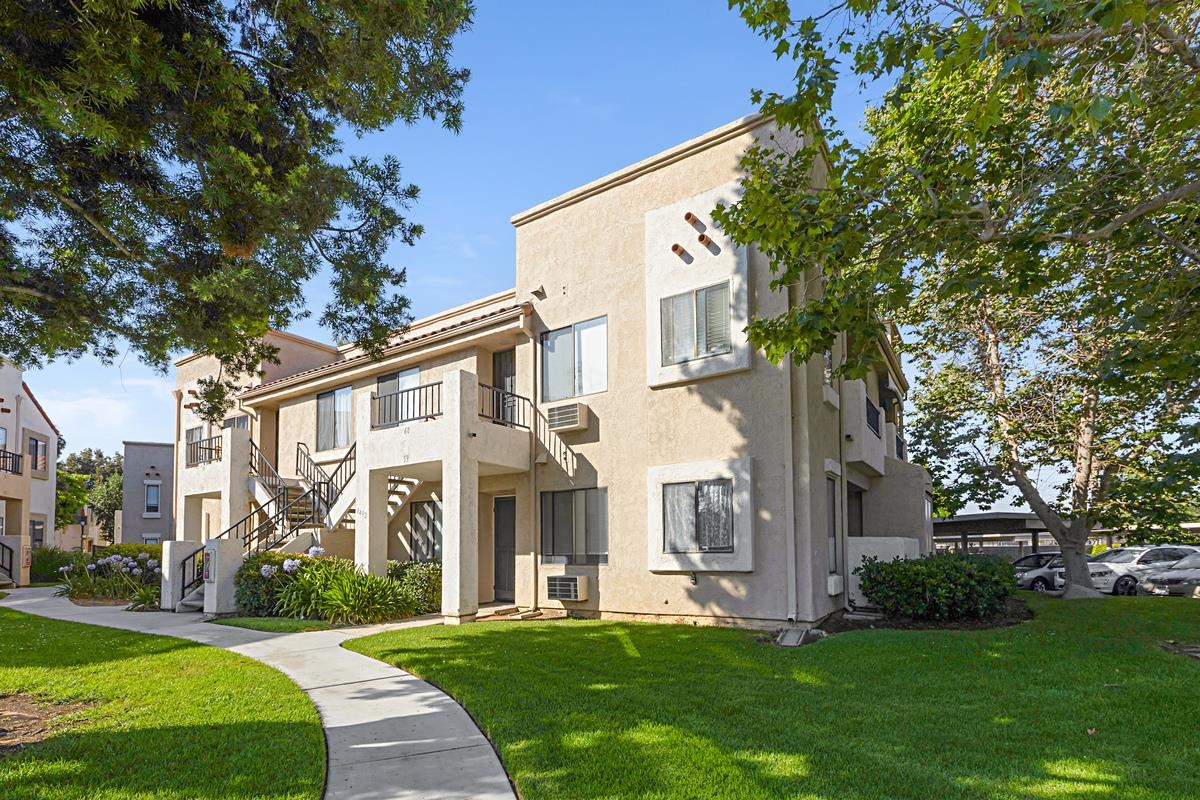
[562,587]
[563,416]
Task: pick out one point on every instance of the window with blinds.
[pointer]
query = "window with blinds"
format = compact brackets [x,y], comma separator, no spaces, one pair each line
[698,517]
[575,526]
[333,419]
[695,324]
[426,530]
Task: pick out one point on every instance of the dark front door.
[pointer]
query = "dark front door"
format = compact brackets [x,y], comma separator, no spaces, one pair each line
[505,538]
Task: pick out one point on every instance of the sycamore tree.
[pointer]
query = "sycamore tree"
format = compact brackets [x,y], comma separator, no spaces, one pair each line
[172,172]
[1026,205]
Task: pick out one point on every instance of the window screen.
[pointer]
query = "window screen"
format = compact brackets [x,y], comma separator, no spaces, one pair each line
[695,324]
[698,517]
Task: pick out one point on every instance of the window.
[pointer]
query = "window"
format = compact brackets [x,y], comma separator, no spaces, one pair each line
[37,532]
[38,450]
[397,381]
[3,438]
[425,537]
[831,503]
[333,419]
[151,538]
[695,324]
[827,364]
[575,360]
[575,526]
[153,492]
[698,517]
[194,434]
[240,422]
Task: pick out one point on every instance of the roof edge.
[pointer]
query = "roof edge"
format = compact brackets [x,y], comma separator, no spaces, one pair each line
[42,411]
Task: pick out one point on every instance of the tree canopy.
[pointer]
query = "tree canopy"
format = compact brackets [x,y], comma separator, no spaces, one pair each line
[1026,205]
[172,171]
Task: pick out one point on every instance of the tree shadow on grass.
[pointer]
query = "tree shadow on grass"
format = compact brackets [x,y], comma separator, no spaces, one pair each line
[625,710]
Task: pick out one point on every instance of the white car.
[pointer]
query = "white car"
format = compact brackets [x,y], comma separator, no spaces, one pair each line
[1118,571]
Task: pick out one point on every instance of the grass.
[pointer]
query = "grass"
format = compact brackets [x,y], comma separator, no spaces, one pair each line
[167,719]
[276,624]
[1079,703]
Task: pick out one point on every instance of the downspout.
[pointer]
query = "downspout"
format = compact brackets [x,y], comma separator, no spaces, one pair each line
[796,417]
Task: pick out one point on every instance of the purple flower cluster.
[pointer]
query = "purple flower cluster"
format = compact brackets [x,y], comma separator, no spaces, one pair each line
[316,550]
[290,565]
[268,571]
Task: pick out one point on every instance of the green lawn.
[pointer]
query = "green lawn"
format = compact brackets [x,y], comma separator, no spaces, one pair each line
[168,719]
[616,710]
[276,624]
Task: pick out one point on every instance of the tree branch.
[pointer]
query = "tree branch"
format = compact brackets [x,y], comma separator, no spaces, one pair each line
[1140,210]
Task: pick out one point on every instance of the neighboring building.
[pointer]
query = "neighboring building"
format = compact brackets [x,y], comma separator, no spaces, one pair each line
[148,480]
[28,474]
[602,438]
[82,533]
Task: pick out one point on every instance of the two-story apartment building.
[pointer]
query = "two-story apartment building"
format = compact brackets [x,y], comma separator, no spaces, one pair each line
[147,493]
[28,474]
[602,438]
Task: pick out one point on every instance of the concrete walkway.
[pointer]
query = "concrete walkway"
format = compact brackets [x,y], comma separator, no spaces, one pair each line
[389,734]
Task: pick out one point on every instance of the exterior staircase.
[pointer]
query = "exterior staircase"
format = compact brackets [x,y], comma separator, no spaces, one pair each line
[7,567]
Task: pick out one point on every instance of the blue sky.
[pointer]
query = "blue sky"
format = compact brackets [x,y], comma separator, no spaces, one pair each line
[561,93]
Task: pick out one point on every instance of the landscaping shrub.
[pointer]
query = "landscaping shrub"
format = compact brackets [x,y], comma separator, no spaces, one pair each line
[354,599]
[112,575]
[130,551]
[261,579]
[45,563]
[301,596]
[941,587]
[422,580]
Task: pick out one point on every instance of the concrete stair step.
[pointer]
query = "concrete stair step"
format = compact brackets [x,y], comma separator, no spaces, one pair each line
[496,611]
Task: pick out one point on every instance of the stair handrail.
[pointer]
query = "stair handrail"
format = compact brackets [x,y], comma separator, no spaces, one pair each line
[192,565]
[6,561]
[335,483]
[269,531]
[246,527]
[261,467]
[307,467]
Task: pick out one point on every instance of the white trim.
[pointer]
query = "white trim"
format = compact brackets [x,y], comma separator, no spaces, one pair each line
[741,559]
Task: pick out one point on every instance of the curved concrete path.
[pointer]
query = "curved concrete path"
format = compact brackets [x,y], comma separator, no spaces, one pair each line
[388,734]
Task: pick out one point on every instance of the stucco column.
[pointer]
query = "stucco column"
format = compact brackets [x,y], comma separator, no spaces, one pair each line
[371,520]
[174,553]
[460,501]
[235,470]
[224,558]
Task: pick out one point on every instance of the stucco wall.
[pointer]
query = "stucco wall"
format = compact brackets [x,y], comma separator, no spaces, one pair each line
[147,462]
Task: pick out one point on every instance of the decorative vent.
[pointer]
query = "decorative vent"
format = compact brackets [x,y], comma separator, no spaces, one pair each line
[568,588]
[571,417]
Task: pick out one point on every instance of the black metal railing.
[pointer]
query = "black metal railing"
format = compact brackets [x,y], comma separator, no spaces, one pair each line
[873,418]
[341,476]
[191,572]
[307,467]
[305,510]
[504,407]
[203,451]
[406,405]
[10,462]
[246,527]
[901,448]
[6,561]
[261,467]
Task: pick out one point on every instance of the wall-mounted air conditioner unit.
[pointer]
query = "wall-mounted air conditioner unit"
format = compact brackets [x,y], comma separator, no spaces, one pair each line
[568,588]
[571,417]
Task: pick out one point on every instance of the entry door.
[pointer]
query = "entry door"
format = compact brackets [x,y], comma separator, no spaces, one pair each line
[504,515]
[504,378]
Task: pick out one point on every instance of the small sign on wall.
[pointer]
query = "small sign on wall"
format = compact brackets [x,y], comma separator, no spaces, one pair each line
[26,555]
[210,566]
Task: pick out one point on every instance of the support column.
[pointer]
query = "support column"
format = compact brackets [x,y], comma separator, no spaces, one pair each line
[460,502]
[174,553]
[222,558]
[235,470]
[371,520]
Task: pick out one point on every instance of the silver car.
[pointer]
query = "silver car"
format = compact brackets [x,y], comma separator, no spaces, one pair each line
[1180,579]
[1036,571]
[1119,570]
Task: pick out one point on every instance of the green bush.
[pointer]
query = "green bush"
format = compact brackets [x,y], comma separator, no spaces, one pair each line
[111,574]
[45,563]
[301,597]
[260,581]
[153,551]
[943,588]
[354,599]
[422,580]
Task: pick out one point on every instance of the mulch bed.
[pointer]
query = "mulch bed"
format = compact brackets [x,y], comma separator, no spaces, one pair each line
[23,722]
[1015,613]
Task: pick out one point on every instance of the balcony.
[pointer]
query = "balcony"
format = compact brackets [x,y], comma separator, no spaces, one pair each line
[865,448]
[10,462]
[504,408]
[203,451]
[407,405]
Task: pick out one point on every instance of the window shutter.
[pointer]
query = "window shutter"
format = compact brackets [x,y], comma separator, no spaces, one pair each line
[713,311]
[679,517]
[714,516]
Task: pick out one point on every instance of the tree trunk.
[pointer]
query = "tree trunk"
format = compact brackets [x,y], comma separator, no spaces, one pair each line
[1074,553]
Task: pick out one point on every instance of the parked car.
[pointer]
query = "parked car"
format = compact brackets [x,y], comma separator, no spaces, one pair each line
[1181,578]
[1036,571]
[1119,570]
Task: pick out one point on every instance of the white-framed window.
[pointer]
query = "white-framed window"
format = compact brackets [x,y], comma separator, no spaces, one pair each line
[153,499]
[575,360]
[3,438]
[37,532]
[241,422]
[333,419]
[701,517]
[395,382]
[831,522]
[151,538]
[194,434]
[698,516]
[695,324]
[575,526]
[425,530]
[39,450]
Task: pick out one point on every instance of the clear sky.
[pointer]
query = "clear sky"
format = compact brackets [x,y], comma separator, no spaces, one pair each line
[561,92]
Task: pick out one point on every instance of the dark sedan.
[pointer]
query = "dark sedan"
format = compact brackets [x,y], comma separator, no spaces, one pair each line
[1181,579]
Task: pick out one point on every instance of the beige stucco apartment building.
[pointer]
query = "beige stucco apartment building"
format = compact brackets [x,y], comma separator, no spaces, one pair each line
[28,474]
[602,438]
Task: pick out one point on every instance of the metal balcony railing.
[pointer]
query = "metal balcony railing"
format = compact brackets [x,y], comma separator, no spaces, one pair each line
[873,418]
[504,407]
[406,405]
[203,451]
[901,448]
[10,462]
